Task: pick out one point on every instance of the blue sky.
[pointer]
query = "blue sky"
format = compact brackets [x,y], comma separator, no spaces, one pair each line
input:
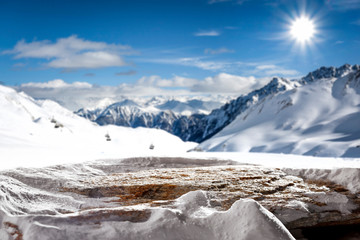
[195,45]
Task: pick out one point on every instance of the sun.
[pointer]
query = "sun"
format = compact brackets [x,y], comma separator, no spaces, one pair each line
[302,29]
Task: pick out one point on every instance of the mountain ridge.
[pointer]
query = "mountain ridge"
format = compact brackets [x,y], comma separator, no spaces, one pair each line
[318,117]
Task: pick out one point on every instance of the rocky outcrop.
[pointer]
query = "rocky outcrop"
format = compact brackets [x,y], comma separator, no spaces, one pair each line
[94,192]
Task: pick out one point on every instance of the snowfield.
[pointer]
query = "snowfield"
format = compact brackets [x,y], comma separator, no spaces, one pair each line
[39,133]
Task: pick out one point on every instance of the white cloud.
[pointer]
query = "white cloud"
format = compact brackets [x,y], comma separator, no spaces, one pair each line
[97,59]
[174,82]
[56,83]
[82,94]
[245,68]
[281,72]
[178,81]
[72,53]
[209,33]
[194,62]
[218,51]
[199,63]
[266,67]
[227,83]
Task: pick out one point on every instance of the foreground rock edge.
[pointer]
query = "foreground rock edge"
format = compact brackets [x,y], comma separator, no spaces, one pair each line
[317,203]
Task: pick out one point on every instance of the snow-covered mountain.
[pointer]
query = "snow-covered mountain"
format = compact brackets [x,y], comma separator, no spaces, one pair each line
[165,115]
[315,115]
[190,106]
[221,117]
[135,116]
[176,115]
[179,105]
[31,129]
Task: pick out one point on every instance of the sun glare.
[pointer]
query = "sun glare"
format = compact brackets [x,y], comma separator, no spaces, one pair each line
[302,29]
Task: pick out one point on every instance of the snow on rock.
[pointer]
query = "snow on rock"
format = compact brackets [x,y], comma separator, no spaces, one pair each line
[276,160]
[17,198]
[246,219]
[347,177]
[143,198]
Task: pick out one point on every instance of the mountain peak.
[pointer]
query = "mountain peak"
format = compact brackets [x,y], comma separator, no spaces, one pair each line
[279,82]
[329,72]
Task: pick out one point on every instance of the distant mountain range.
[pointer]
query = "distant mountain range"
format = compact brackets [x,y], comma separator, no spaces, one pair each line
[314,115]
[174,115]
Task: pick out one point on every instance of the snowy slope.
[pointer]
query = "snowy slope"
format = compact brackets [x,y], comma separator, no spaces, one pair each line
[319,117]
[44,130]
[219,118]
